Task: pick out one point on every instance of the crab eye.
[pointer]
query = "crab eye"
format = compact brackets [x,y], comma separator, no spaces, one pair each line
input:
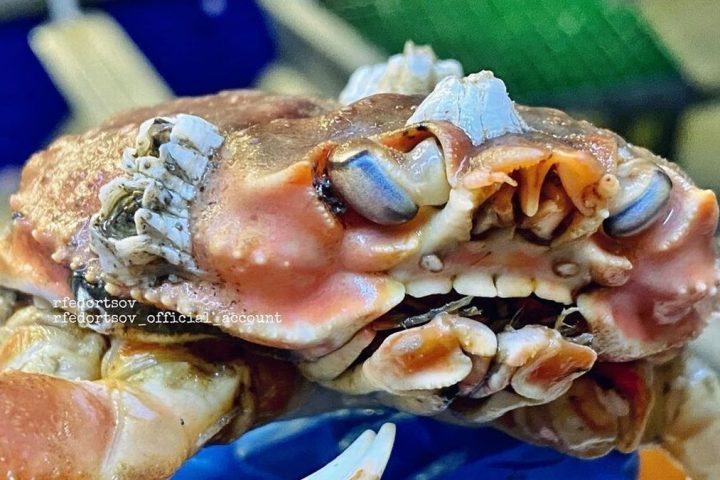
[362,177]
[638,213]
[386,185]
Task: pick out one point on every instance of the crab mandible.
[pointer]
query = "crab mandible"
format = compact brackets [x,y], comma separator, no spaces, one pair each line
[429,241]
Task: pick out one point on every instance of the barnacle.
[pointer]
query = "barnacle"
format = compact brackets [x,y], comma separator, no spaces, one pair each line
[415,71]
[142,230]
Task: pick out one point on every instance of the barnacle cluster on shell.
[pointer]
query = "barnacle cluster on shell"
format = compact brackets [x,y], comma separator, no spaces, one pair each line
[415,71]
[478,104]
[142,230]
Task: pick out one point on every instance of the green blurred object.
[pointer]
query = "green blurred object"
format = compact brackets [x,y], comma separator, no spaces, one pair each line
[599,59]
[541,48]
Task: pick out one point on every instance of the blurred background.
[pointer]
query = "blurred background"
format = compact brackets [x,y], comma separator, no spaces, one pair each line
[649,69]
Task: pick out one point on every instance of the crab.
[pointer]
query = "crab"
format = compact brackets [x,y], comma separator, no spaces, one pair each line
[176,275]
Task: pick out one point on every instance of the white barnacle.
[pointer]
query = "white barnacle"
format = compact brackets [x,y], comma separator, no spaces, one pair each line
[478,104]
[157,169]
[196,133]
[128,159]
[193,164]
[112,192]
[142,229]
[157,197]
[164,226]
[152,130]
[415,71]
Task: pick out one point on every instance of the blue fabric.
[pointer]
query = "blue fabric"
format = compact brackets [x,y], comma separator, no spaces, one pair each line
[31,106]
[197,46]
[424,449]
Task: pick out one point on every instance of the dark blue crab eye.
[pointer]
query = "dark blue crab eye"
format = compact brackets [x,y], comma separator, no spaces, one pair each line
[364,183]
[642,211]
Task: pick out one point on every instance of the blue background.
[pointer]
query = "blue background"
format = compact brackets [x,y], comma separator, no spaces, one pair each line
[197,46]
[424,449]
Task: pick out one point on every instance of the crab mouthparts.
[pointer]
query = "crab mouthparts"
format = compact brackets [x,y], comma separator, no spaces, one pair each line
[488,330]
[500,314]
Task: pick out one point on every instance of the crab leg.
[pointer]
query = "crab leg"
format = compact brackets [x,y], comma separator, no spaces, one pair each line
[72,407]
[605,409]
[686,417]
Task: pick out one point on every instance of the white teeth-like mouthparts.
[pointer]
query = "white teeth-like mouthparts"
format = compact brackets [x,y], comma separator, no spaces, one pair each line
[477,284]
[330,366]
[555,292]
[452,224]
[484,284]
[509,286]
[426,172]
[477,104]
[423,287]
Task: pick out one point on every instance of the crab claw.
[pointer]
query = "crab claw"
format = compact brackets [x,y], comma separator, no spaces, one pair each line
[606,409]
[685,420]
[364,459]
